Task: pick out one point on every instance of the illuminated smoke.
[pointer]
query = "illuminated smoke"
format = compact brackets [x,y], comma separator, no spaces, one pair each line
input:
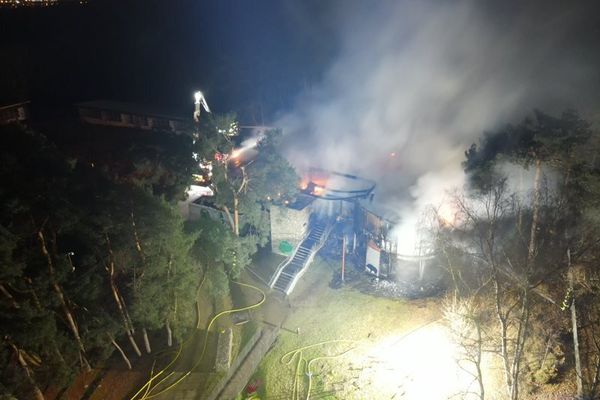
[416,83]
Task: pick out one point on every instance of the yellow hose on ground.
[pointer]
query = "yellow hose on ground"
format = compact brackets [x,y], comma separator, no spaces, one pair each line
[292,353]
[296,388]
[150,395]
[179,351]
[151,372]
[320,358]
[298,352]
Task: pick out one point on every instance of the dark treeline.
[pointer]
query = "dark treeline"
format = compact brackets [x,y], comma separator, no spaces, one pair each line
[86,261]
[96,261]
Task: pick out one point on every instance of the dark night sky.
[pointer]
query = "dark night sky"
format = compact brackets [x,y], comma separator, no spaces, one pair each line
[252,57]
[349,81]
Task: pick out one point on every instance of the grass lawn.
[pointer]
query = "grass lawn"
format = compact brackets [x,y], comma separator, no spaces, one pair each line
[322,314]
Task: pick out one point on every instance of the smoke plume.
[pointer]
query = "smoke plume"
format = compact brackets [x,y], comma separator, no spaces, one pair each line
[416,82]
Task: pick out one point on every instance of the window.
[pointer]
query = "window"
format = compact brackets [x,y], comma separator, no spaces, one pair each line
[159,123]
[139,120]
[90,113]
[112,116]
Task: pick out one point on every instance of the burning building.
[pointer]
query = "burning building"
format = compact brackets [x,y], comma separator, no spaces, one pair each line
[346,204]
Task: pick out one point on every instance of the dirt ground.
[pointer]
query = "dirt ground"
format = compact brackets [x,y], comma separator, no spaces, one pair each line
[105,384]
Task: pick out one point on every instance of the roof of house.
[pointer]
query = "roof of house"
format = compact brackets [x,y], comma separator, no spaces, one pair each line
[330,185]
[132,108]
[301,202]
[7,106]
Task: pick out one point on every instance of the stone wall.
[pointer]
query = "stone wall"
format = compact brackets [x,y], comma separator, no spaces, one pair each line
[245,364]
[224,345]
[287,226]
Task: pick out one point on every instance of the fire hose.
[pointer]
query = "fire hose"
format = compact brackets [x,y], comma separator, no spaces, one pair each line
[148,394]
[298,352]
[181,346]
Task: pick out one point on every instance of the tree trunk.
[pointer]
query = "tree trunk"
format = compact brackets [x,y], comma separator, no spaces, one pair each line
[117,297]
[536,214]
[9,296]
[167,319]
[126,313]
[520,203]
[59,354]
[28,373]
[146,341]
[169,333]
[133,343]
[236,215]
[523,320]
[578,372]
[453,274]
[128,329]
[522,333]
[63,302]
[229,218]
[503,336]
[478,361]
[34,359]
[140,251]
[123,355]
[596,379]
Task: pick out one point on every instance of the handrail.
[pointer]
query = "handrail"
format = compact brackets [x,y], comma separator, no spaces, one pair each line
[286,261]
[310,258]
[280,268]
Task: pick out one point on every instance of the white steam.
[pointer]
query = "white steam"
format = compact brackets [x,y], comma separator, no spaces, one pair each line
[417,82]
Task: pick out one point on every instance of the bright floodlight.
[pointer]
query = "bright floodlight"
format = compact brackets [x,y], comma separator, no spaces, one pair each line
[420,365]
[198,96]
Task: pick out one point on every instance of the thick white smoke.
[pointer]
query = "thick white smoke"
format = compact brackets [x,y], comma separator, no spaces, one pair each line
[416,83]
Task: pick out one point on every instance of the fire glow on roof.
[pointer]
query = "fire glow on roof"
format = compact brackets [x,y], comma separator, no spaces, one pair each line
[331,185]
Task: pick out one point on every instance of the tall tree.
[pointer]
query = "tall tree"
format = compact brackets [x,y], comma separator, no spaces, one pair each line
[86,259]
[562,198]
[243,183]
